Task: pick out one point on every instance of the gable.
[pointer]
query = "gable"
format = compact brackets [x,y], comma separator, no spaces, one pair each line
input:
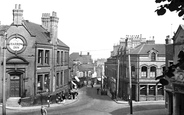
[179,35]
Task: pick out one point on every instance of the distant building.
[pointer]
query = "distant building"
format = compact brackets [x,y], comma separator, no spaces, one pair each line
[147,62]
[81,65]
[36,60]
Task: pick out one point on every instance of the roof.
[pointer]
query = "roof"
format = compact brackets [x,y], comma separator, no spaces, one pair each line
[86,67]
[82,58]
[145,48]
[41,34]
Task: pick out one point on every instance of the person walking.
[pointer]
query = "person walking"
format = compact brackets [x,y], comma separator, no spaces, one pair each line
[97,90]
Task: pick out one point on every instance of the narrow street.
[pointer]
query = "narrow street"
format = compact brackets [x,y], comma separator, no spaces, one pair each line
[90,103]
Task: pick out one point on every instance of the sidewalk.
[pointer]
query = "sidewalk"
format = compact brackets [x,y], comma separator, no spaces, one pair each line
[151,112]
[65,102]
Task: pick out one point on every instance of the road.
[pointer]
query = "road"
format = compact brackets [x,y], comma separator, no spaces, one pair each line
[90,103]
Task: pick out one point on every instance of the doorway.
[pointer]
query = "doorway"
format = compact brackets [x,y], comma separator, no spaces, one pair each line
[15,85]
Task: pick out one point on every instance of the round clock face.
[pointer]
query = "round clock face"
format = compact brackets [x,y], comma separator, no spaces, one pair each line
[16,44]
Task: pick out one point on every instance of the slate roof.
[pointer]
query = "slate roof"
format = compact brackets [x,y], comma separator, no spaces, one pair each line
[86,67]
[41,34]
[145,48]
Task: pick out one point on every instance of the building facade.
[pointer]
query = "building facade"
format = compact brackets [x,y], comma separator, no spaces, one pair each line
[175,88]
[147,61]
[36,60]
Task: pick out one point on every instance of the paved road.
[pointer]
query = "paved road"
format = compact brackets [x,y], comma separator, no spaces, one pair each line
[90,103]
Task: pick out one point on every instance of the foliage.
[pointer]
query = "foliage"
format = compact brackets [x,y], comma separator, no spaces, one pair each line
[169,73]
[171,5]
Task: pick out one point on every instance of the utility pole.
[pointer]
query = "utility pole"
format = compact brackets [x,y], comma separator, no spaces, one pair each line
[117,87]
[130,80]
[4,76]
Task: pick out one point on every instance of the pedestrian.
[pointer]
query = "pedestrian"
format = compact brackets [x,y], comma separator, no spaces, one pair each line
[43,110]
[97,90]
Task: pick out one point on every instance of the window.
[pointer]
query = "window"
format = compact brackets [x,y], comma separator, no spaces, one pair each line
[43,82]
[151,89]
[133,71]
[62,57]
[153,56]
[143,90]
[144,71]
[46,81]
[58,56]
[39,83]
[40,56]
[47,54]
[61,78]
[152,72]
[66,58]
[160,90]
[57,79]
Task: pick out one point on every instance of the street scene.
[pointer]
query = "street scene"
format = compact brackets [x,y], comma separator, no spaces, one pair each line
[88,102]
[100,57]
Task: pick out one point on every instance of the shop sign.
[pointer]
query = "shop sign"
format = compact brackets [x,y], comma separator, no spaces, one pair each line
[16,44]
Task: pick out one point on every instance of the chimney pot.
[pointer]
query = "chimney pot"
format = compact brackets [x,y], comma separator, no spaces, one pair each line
[19,6]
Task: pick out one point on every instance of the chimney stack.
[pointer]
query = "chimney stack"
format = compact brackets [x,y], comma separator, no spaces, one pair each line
[17,15]
[168,40]
[46,21]
[50,23]
[54,27]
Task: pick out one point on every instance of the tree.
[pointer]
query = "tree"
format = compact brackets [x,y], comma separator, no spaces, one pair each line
[171,5]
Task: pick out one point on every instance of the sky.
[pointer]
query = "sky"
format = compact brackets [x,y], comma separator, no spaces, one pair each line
[95,26]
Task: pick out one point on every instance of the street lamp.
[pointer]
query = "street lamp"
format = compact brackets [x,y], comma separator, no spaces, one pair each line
[4,76]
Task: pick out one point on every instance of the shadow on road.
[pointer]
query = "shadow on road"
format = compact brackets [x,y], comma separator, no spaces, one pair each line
[92,93]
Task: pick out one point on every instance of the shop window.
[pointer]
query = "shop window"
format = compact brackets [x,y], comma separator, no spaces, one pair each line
[152,72]
[57,79]
[160,90]
[143,90]
[39,83]
[153,56]
[58,57]
[61,78]
[47,55]
[46,82]
[144,72]
[62,55]
[151,89]
[43,82]
[40,56]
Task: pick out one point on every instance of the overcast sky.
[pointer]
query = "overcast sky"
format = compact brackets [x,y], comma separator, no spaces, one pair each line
[96,25]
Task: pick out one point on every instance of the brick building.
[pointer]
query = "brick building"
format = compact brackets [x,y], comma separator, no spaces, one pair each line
[36,60]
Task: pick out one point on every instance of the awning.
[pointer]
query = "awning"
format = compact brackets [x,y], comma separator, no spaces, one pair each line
[73,83]
[77,79]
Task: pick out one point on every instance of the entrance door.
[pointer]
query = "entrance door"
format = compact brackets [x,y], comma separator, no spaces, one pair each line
[15,85]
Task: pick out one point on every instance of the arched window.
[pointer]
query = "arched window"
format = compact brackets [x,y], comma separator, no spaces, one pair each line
[152,72]
[153,56]
[144,71]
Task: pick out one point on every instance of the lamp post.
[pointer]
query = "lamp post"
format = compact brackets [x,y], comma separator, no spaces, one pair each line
[4,76]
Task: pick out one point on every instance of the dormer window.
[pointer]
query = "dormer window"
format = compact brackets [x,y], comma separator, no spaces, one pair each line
[153,56]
